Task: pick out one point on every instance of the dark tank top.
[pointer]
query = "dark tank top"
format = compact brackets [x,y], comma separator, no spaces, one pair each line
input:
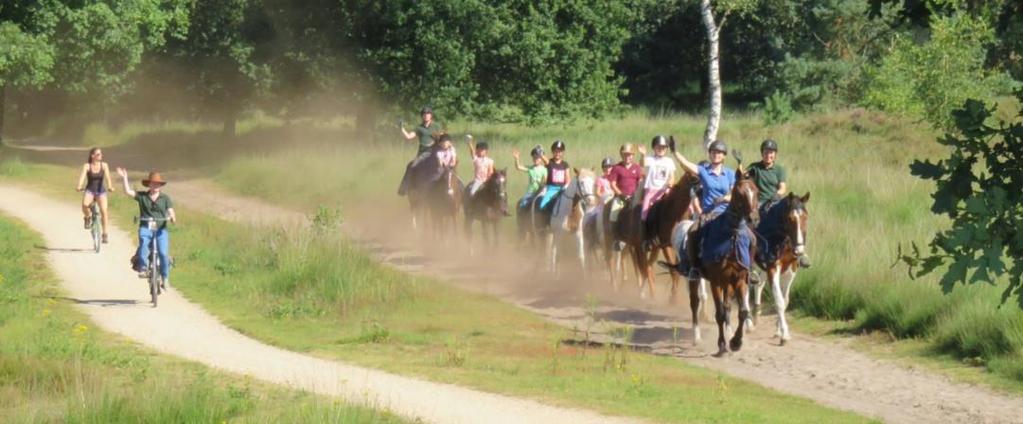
[95,180]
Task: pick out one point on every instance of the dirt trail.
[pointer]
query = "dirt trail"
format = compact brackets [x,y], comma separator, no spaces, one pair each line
[117,301]
[826,371]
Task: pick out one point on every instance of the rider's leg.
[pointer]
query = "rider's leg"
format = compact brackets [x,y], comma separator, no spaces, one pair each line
[102,200]
[87,200]
[163,243]
[145,235]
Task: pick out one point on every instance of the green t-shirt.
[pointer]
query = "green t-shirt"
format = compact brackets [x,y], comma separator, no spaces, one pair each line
[425,134]
[537,178]
[150,209]
[767,179]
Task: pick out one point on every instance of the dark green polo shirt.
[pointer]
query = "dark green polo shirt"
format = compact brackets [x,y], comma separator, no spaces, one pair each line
[425,134]
[150,209]
[767,179]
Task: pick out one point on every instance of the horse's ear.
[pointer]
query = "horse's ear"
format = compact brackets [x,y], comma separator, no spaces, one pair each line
[576,170]
[805,198]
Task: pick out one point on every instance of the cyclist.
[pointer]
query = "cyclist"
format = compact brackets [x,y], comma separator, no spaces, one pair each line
[94,181]
[153,204]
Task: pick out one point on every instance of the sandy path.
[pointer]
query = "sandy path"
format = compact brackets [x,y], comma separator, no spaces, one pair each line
[117,301]
[823,370]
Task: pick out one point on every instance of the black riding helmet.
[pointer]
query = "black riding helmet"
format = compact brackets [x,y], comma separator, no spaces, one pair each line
[607,163]
[718,146]
[425,110]
[482,146]
[659,140]
[769,145]
[558,145]
[537,151]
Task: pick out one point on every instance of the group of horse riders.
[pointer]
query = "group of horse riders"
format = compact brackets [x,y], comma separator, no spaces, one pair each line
[619,183]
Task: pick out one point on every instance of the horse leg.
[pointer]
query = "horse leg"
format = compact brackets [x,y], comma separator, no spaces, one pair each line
[580,243]
[742,296]
[676,280]
[719,316]
[786,284]
[779,302]
[703,297]
[651,259]
[694,306]
[758,290]
[728,292]
[552,251]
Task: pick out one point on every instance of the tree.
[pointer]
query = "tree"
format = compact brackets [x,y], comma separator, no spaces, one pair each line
[978,187]
[713,30]
[26,60]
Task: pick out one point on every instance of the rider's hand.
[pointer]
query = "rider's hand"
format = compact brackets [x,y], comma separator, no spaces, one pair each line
[515,153]
[122,172]
[642,150]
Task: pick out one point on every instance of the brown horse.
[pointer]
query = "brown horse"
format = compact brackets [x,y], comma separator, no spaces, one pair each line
[488,206]
[665,215]
[783,231]
[728,276]
[644,246]
[445,202]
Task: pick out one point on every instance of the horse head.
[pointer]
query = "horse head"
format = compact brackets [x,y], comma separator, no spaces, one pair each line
[498,186]
[584,189]
[796,218]
[744,198]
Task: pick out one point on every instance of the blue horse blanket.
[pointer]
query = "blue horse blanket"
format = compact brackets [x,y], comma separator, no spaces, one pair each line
[772,233]
[719,240]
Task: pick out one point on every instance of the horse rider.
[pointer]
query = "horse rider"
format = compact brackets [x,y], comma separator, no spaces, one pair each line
[558,175]
[716,181]
[424,132]
[624,177]
[769,176]
[537,173]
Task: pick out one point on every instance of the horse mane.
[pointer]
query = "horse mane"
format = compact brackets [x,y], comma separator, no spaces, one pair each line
[586,172]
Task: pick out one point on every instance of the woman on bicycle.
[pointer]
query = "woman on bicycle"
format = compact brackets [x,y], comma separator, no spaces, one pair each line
[154,206]
[95,181]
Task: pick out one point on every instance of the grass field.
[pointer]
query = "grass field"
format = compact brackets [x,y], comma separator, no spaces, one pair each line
[55,367]
[863,205]
[308,291]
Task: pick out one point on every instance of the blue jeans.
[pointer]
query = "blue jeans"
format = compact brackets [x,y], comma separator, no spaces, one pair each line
[162,244]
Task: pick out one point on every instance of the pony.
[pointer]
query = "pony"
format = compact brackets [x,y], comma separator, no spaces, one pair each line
[725,263]
[564,219]
[782,232]
[488,206]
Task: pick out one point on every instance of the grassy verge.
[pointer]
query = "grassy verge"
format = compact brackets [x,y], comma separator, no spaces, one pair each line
[54,367]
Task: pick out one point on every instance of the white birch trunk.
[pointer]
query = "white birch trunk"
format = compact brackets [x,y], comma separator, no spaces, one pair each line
[713,74]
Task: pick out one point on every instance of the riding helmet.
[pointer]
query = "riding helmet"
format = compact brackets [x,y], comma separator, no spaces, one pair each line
[558,145]
[769,145]
[626,149]
[607,162]
[425,110]
[659,141]
[537,151]
[718,146]
[482,146]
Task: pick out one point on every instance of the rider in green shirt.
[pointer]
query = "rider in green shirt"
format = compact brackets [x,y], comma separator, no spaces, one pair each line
[424,133]
[537,173]
[768,175]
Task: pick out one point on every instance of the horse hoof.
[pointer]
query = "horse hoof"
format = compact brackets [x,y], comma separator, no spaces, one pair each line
[735,345]
[696,335]
[782,342]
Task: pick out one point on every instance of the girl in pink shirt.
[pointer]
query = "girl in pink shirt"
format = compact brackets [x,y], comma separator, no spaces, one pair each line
[483,166]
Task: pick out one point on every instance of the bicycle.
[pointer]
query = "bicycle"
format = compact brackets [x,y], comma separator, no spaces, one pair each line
[95,228]
[153,269]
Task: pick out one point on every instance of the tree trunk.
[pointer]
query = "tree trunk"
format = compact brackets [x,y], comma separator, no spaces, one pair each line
[230,124]
[713,74]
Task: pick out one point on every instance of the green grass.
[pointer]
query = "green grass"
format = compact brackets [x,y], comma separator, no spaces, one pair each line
[55,367]
[864,204]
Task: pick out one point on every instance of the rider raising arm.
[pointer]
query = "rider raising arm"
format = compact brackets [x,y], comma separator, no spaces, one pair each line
[153,193]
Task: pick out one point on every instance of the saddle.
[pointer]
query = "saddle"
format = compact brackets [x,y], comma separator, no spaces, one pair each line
[772,233]
[717,237]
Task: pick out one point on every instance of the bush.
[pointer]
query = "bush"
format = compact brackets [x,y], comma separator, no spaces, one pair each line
[778,108]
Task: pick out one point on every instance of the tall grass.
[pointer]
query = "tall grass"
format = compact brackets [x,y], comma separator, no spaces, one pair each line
[855,163]
[54,367]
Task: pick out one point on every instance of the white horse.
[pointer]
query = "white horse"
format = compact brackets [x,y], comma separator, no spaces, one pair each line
[576,201]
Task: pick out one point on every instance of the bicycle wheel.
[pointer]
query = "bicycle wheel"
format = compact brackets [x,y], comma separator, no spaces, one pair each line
[96,236]
[154,275]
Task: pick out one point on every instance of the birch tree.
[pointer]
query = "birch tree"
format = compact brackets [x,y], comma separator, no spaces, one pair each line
[713,29]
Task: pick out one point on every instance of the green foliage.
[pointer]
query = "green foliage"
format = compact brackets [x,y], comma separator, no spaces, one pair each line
[25,59]
[778,108]
[978,188]
[928,79]
[500,59]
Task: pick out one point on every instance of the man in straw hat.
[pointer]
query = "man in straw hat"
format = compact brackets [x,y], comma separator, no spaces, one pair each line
[153,204]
